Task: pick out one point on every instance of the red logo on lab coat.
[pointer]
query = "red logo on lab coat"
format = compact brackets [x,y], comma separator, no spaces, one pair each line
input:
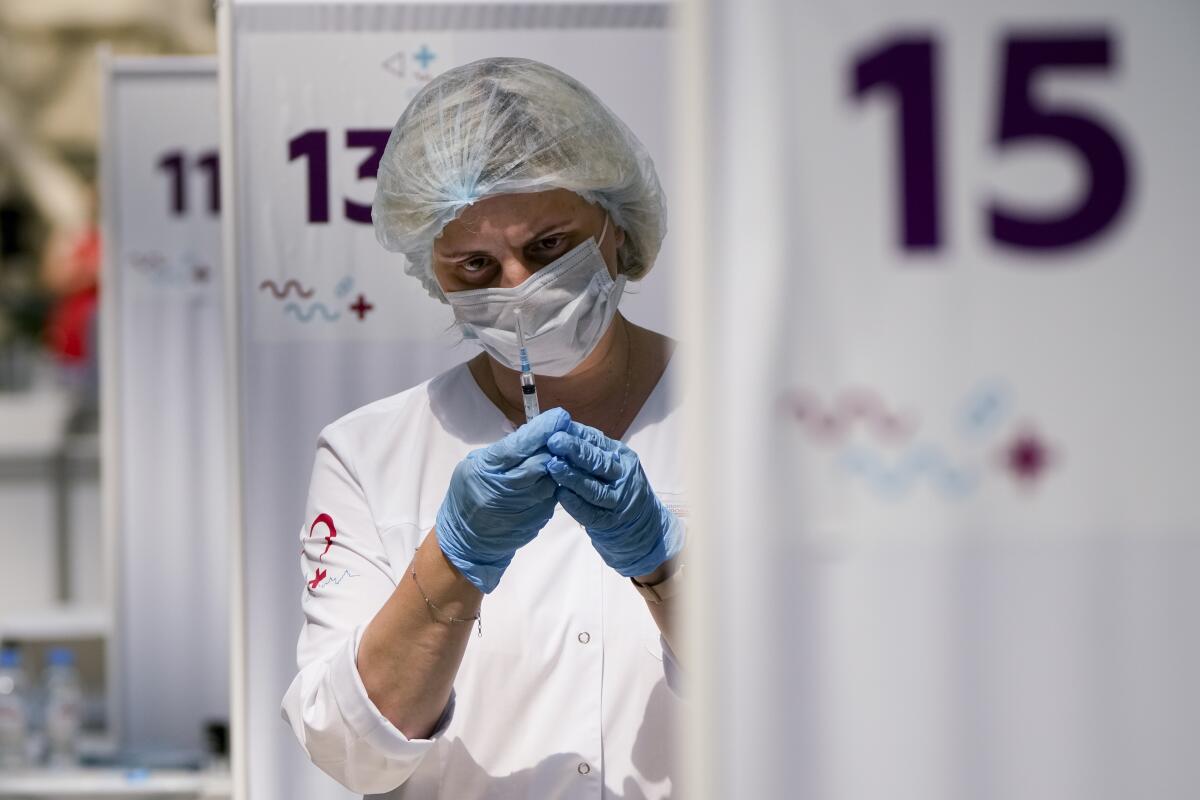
[316,581]
[328,520]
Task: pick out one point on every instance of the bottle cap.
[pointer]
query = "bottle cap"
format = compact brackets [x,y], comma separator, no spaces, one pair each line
[61,657]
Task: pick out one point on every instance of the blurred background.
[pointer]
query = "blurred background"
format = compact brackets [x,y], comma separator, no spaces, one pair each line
[49,128]
[58,604]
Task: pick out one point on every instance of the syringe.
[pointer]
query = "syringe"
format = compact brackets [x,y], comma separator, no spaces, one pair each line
[528,388]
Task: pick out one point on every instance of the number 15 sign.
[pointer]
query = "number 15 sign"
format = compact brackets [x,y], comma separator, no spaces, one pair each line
[908,68]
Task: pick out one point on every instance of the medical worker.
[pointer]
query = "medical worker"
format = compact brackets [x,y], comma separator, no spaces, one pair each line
[491,612]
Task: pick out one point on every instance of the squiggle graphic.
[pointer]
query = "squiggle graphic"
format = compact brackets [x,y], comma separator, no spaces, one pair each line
[984,409]
[328,522]
[184,270]
[148,262]
[898,479]
[288,285]
[306,315]
[321,575]
[851,406]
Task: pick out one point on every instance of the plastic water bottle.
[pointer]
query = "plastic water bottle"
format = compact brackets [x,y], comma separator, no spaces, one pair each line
[14,712]
[64,707]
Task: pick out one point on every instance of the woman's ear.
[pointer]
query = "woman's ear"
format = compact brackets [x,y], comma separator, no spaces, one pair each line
[618,239]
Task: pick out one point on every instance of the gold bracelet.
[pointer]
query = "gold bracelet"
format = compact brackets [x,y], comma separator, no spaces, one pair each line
[665,588]
[478,618]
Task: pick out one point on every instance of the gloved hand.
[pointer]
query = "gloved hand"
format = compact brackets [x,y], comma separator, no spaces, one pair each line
[500,496]
[602,485]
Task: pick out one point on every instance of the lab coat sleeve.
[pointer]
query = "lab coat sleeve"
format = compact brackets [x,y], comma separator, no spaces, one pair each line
[347,579]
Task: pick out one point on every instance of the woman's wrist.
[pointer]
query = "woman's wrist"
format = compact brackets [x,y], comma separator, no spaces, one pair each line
[674,538]
[664,571]
[444,582]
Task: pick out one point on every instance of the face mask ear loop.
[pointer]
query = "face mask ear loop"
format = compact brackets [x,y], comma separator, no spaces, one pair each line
[603,231]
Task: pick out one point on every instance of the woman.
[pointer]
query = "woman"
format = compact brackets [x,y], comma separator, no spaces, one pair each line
[500,624]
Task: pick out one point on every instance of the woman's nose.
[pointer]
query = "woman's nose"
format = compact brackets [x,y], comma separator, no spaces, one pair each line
[515,270]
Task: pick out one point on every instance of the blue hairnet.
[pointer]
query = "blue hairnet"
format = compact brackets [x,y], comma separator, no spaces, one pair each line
[502,125]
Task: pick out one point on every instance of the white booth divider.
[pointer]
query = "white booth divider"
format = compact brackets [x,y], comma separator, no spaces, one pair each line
[324,320]
[948,398]
[164,387]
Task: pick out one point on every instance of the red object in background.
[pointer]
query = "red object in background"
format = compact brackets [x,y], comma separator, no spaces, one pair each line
[67,329]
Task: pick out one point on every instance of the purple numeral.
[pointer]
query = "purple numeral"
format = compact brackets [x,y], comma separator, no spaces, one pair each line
[210,163]
[1022,120]
[172,164]
[314,146]
[375,139]
[907,67]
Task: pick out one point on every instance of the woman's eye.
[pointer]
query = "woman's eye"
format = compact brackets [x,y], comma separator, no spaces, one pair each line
[475,264]
[551,242]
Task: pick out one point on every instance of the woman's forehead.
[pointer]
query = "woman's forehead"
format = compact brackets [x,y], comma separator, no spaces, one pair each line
[517,212]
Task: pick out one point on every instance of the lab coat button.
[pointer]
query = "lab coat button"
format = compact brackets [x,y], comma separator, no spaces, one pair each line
[584,637]
[584,769]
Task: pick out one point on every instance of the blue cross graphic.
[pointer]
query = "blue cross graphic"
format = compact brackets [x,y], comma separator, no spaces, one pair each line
[424,56]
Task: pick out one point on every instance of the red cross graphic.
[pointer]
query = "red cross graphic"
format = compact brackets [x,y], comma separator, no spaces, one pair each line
[361,307]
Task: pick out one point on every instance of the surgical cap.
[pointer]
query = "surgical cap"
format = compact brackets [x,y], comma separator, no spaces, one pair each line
[502,125]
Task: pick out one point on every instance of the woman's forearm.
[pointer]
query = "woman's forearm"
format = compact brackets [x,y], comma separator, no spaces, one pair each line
[410,654]
[666,612]
[664,615]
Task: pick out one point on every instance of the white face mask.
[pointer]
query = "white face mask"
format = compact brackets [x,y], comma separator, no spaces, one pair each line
[566,307]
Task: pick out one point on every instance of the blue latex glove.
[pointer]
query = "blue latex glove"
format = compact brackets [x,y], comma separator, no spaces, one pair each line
[500,496]
[602,485]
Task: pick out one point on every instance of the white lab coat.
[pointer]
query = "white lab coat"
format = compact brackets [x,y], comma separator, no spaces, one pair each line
[569,693]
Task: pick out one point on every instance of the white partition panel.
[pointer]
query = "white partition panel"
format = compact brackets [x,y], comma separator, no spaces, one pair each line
[164,460]
[325,319]
[948,397]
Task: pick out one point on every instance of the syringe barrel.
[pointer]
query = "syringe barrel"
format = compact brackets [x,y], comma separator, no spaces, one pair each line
[529,395]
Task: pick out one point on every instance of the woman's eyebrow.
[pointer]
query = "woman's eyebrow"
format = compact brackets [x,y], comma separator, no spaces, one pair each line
[566,223]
